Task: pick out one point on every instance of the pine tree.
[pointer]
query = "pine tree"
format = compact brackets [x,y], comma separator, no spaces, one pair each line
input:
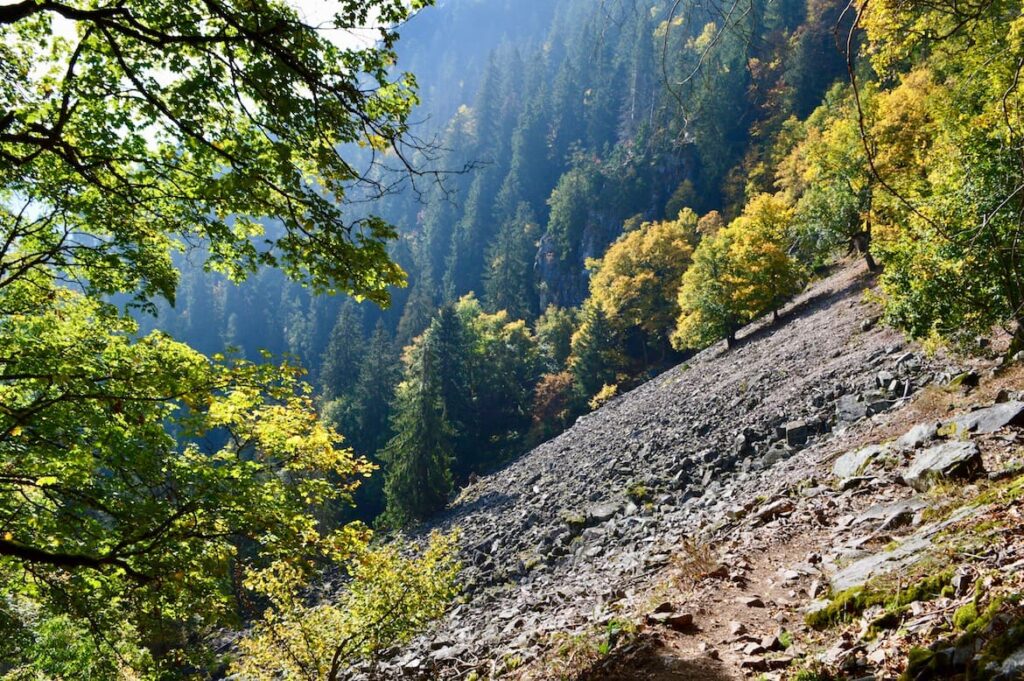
[532,172]
[595,358]
[340,362]
[509,283]
[379,373]
[418,311]
[419,456]
[451,342]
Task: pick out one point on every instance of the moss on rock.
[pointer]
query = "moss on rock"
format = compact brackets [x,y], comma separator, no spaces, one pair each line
[850,603]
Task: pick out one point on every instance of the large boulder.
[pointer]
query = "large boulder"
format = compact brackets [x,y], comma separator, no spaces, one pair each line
[850,408]
[947,460]
[852,463]
[918,435]
[987,420]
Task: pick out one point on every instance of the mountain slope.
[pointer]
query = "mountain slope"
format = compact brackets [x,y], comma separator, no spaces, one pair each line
[554,543]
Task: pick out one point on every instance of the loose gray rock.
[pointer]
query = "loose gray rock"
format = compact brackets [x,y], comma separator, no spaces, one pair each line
[796,433]
[878,404]
[1013,666]
[850,408]
[602,513]
[947,460]
[851,464]
[777,452]
[887,516]
[990,419]
[774,510]
[918,435]
[885,562]
[909,552]
[968,379]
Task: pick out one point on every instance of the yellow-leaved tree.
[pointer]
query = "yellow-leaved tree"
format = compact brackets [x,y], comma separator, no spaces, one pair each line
[946,147]
[707,297]
[827,178]
[765,274]
[389,597]
[635,283]
[738,273]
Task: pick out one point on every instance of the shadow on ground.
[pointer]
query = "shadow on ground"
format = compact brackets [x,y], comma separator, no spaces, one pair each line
[653,661]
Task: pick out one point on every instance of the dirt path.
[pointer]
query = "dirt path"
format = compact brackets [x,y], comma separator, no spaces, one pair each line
[738,612]
[783,561]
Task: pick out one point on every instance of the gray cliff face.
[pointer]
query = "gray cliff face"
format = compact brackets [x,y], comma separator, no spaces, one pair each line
[555,538]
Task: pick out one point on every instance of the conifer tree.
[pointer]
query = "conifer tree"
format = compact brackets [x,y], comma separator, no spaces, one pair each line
[379,373]
[341,361]
[504,368]
[451,341]
[595,357]
[419,310]
[419,456]
[509,283]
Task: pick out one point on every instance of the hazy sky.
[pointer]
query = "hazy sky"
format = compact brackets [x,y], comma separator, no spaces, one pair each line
[314,12]
[321,12]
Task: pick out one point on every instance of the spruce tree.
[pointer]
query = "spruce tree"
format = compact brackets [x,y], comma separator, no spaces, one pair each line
[418,311]
[379,373]
[509,283]
[595,357]
[450,338]
[340,362]
[419,456]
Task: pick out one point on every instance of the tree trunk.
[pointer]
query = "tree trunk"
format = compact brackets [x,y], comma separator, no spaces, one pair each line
[862,242]
[872,265]
[1017,342]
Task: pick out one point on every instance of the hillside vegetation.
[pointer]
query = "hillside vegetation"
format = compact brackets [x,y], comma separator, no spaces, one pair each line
[609,147]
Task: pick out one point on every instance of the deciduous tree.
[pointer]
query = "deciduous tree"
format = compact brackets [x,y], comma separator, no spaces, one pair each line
[636,281]
[140,479]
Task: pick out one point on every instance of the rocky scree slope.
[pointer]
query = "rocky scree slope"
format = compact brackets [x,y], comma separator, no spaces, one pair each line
[892,549]
[571,532]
